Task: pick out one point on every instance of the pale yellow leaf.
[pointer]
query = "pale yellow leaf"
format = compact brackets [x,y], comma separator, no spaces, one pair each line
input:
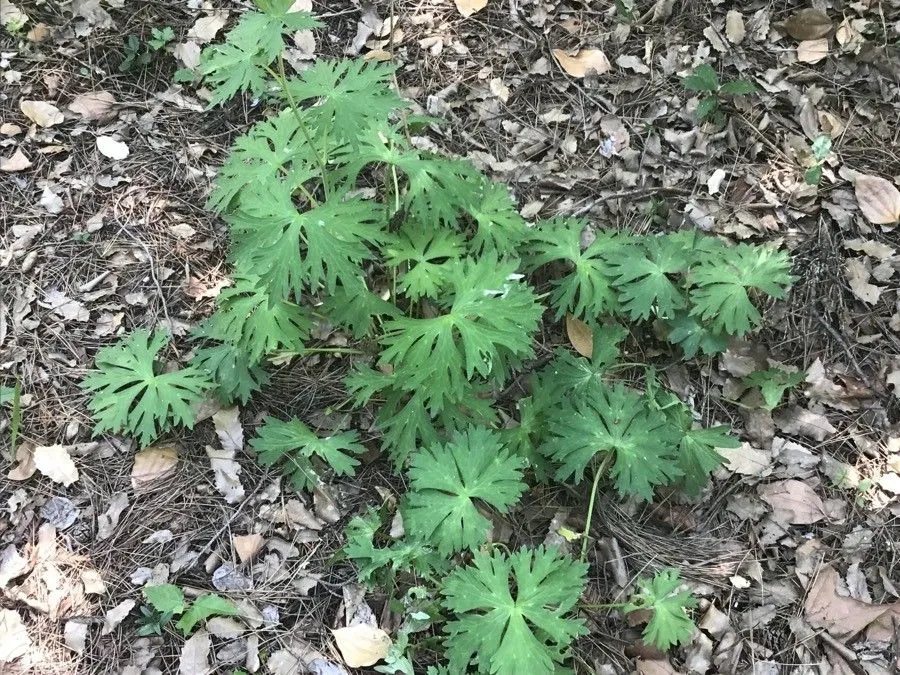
[247,545]
[18,162]
[582,62]
[54,462]
[362,645]
[152,464]
[812,51]
[110,147]
[469,7]
[41,113]
[14,639]
[580,335]
[858,276]
[878,199]
[734,27]
[205,28]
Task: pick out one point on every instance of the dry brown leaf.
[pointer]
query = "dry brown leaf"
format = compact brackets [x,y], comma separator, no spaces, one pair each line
[25,468]
[94,105]
[843,617]
[195,655]
[793,501]
[858,276]
[116,615]
[205,28]
[580,335]
[878,199]
[746,460]
[582,62]
[654,667]
[229,429]
[110,147]
[54,462]
[14,639]
[808,24]
[41,113]
[469,7]
[18,162]
[247,545]
[153,463]
[812,51]
[797,420]
[362,645]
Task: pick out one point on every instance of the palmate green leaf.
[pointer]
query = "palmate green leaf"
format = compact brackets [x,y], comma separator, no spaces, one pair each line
[489,320]
[614,420]
[371,560]
[235,375]
[257,324]
[642,274]
[524,439]
[511,612]
[292,446]
[721,286]
[349,97]
[569,375]
[586,291]
[129,395]
[427,253]
[445,481]
[703,78]
[293,250]
[273,150]
[500,228]
[204,607]
[697,456]
[669,622]
[438,188]
[356,308]
[239,64]
[165,598]
[693,337]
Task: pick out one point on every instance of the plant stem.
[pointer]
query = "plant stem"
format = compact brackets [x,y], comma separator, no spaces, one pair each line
[598,473]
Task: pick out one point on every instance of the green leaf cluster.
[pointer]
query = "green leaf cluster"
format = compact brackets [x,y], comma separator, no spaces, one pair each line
[336,214]
[704,79]
[662,596]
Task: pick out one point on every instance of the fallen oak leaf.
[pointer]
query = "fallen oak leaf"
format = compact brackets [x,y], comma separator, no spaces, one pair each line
[41,113]
[362,645]
[152,464]
[468,7]
[54,462]
[18,162]
[94,105]
[793,501]
[812,51]
[582,62]
[878,199]
[807,24]
[843,617]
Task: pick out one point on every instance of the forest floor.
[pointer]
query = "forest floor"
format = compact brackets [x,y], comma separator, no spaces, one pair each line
[794,550]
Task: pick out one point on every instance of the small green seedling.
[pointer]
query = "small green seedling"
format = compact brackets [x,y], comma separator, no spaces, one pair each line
[705,80]
[152,621]
[773,383]
[138,55]
[168,601]
[670,624]
[821,148]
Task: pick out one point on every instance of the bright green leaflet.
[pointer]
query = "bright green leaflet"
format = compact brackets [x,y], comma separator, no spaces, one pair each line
[204,607]
[292,446]
[669,623]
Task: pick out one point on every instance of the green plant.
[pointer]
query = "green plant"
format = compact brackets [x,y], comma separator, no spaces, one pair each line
[132,393]
[335,214]
[705,80]
[669,622]
[821,148]
[168,601]
[772,384]
[137,54]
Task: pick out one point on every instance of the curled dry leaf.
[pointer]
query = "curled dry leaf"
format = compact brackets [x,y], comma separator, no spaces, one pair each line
[362,645]
[247,545]
[812,51]
[24,468]
[580,336]
[18,162]
[54,462]
[153,463]
[116,615]
[878,199]
[841,616]
[808,24]
[793,501]
[858,276]
[582,62]
[41,113]
[469,7]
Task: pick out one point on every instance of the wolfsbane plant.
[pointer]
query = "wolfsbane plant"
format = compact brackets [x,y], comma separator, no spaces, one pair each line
[334,213]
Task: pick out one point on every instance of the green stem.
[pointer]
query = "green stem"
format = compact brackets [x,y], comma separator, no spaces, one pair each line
[598,473]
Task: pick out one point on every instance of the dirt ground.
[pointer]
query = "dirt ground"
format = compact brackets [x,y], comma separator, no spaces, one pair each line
[790,579]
